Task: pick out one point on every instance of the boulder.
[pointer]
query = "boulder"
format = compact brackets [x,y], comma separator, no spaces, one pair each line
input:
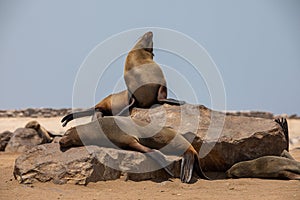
[23,139]
[4,138]
[81,165]
[221,140]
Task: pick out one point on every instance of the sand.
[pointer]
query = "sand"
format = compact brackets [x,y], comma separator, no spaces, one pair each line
[120,189]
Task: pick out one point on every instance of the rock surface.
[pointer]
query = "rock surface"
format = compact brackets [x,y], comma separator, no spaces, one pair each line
[4,138]
[23,139]
[221,140]
[81,165]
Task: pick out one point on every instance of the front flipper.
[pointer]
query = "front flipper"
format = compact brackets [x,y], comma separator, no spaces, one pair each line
[126,110]
[162,97]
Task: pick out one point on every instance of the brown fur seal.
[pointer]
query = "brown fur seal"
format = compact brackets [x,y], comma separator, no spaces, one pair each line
[266,167]
[145,82]
[43,133]
[143,77]
[140,136]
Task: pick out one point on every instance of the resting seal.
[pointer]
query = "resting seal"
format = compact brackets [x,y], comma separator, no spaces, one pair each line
[284,167]
[109,131]
[266,167]
[43,133]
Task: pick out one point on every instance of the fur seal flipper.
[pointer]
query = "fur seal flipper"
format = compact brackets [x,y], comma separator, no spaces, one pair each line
[284,125]
[66,119]
[114,104]
[137,136]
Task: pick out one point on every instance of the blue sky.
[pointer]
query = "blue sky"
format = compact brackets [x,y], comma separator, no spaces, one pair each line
[254,43]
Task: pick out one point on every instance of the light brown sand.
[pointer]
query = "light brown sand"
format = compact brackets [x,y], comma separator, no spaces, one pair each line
[119,189]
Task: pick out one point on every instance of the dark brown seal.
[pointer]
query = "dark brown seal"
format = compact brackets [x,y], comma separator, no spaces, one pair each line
[274,167]
[144,78]
[136,135]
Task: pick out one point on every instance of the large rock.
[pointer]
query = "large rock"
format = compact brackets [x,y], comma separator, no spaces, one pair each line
[4,138]
[23,139]
[221,140]
[82,165]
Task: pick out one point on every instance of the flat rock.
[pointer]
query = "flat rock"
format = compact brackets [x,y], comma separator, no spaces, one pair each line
[4,138]
[220,140]
[23,139]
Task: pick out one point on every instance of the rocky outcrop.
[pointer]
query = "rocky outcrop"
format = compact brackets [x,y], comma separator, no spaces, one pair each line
[4,138]
[221,141]
[35,112]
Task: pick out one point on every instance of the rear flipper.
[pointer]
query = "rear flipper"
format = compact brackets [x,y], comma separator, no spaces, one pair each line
[171,101]
[290,175]
[284,125]
[189,161]
[286,154]
[187,166]
[66,119]
[198,169]
[126,110]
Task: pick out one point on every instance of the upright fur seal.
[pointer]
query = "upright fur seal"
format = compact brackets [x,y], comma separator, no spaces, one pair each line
[144,78]
[140,136]
[145,82]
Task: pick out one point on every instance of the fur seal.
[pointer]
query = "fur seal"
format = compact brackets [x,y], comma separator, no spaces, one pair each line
[146,85]
[127,133]
[43,133]
[144,78]
[266,167]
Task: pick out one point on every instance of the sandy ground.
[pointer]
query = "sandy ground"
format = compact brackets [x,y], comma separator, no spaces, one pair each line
[120,189]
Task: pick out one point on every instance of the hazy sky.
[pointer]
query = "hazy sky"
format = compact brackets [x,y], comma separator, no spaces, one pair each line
[254,43]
